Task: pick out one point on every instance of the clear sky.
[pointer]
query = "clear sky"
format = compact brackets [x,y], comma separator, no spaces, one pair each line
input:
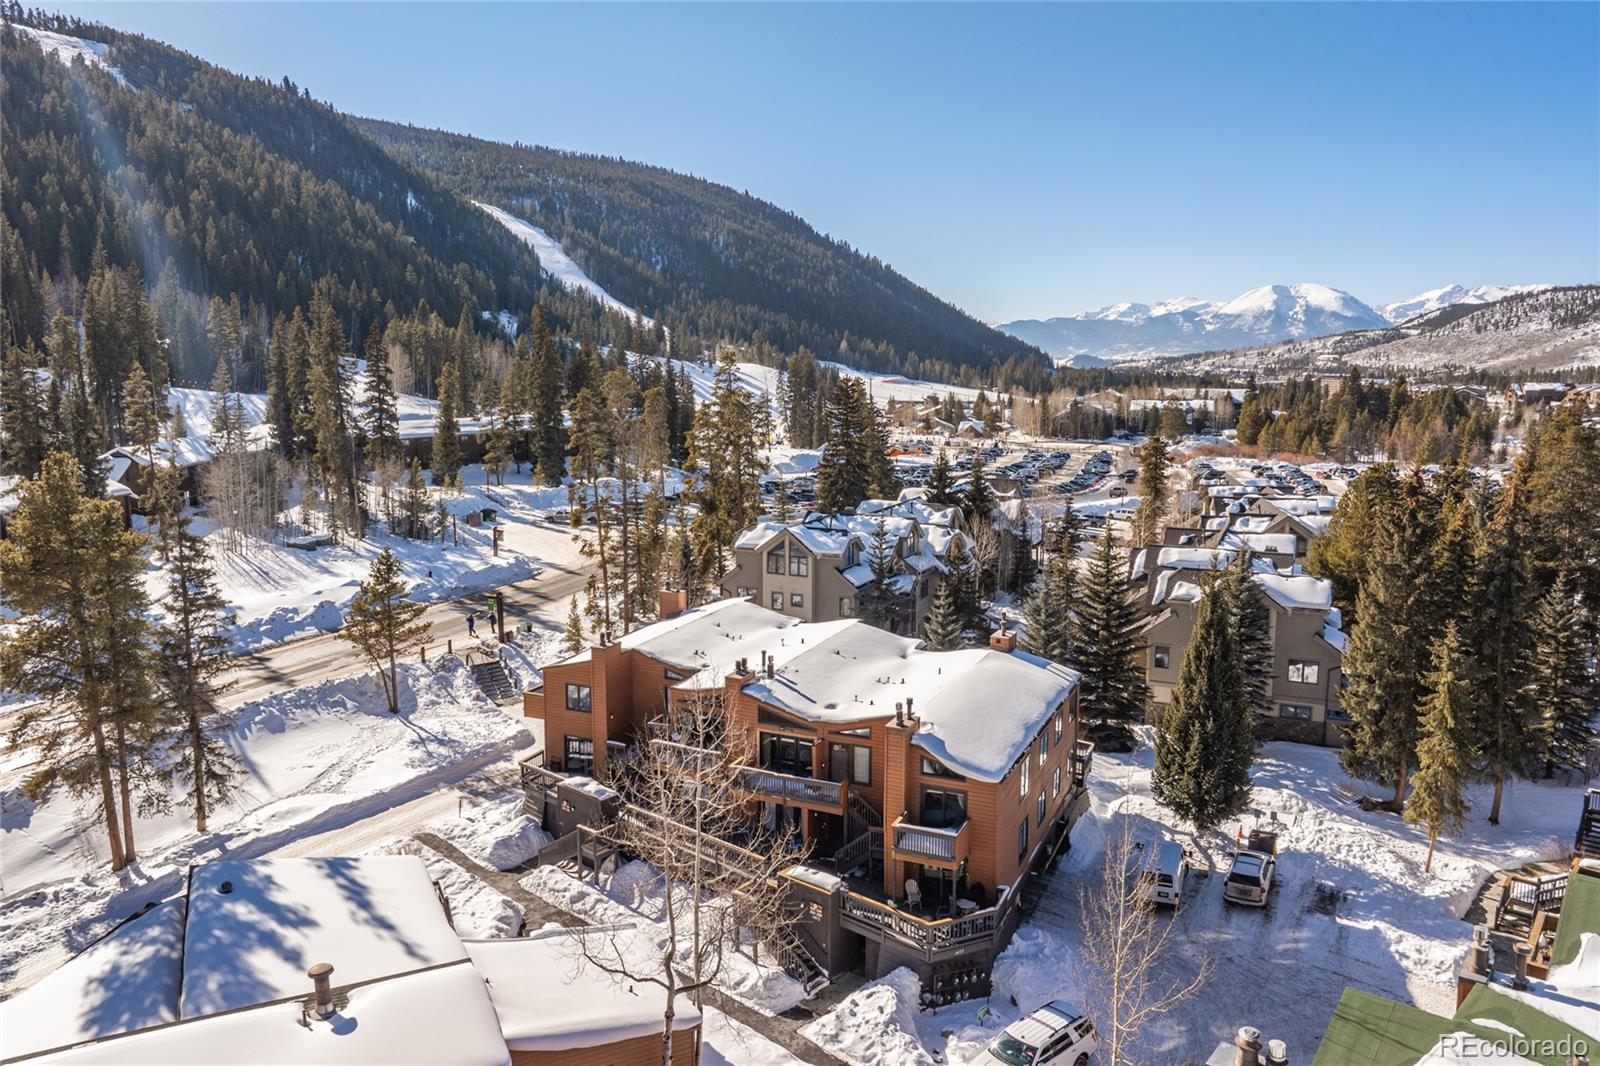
[1025,160]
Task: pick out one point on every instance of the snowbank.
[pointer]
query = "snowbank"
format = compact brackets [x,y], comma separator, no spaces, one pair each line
[477,910]
[498,835]
[876,1025]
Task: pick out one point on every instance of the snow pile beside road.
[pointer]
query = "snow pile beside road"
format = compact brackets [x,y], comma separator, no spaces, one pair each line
[633,896]
[498,835]
[315,759]
[876,1025]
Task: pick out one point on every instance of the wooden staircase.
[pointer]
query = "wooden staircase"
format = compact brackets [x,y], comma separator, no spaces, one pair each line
[493,680]
[1587,841]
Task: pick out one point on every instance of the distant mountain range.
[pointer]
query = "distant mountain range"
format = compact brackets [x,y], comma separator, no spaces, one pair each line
[1263,316]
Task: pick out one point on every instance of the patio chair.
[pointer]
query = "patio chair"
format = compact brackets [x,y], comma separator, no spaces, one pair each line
[913,894]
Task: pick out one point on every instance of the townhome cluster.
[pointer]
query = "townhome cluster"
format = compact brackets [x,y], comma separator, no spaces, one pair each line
[924,786]
[815,569]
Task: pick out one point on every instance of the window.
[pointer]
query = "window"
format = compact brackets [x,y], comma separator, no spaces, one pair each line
[1303,671]
[579,756]
[775,561]
[1294,710]
[943,809]
[1058,725]
[934,769]
[1055,782]
[786,755]
[1160,656]
[578,698]
[1040,805]
[746,590]
[1022,839]
[796,600]
[861,765]
[1044,746]
[1023,790]
[777,601]
[847,607]
[799,565]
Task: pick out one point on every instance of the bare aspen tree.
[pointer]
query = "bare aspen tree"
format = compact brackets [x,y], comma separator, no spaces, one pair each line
[682,805]
[1124,947]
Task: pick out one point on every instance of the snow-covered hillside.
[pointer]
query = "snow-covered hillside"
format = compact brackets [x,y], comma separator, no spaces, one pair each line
[1437,299]
[1268,315]
[67,49]
[556,263]
[1261,316]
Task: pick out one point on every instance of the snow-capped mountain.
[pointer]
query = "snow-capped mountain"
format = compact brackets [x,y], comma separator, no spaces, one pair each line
[1437,299]
[1172,327]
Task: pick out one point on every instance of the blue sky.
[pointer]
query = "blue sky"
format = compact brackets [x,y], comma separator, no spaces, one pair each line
[1025,160]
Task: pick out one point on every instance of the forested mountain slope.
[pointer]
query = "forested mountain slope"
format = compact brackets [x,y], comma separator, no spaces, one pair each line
[233,185]
[720,263]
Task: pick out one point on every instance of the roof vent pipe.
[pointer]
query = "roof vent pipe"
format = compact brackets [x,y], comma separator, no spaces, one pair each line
[1247,1047]
[1277,1053]
[322,981]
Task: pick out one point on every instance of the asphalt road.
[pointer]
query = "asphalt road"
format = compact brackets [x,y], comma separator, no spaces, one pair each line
[540,600]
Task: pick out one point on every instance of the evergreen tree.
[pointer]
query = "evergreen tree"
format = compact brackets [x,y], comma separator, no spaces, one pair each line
[80,642]
[942,629]
[1154,465]
[727,450]
[193,652]
[24,418]
[572,636]
[941,488]
[979,501]
[1562,687]
[1445,755]
[1108,643]
[1048,613]
[1021,567]
[446,461]
[382,405]
[544,404]
[1494,615]
[140,419]
[1205,740]
[414,503]
[1252,624]
[383,623]
[845,469]
[877,603]
[1386,661]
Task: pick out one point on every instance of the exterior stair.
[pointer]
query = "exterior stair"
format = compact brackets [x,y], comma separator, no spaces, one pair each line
[493,680]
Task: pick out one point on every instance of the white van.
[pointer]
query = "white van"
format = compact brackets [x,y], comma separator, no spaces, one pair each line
[1161,881]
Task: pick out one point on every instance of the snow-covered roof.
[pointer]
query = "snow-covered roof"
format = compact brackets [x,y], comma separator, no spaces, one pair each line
[1316,524]
[129,980]
[370,917]
[1278,543]
[1300,506]
[1299,591]
[550,999]
[1251,523]
[1192,559]
[440,1017]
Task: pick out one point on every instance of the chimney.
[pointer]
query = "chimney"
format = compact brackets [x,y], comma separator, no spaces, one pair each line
[1277,1053]
[674,602]
[1002,639]
[908,708]
[1520,952]
[1482,953]
[899,713]
[322,980]
[771,663]
[1247,1047]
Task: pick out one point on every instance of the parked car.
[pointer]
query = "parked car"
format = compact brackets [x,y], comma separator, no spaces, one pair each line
[1254,867]
[1161,880]
[1054,1033]
[1117,492]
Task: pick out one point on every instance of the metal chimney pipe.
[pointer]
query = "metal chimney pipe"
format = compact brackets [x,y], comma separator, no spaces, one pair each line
[322,981]
[1277,1053]
[1482,952]
[1247,1047]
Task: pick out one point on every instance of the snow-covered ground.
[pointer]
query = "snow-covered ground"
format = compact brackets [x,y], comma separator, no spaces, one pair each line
[315,759]
[68,49]
[1352,907]
[477,911]
[556,263]
[632,895]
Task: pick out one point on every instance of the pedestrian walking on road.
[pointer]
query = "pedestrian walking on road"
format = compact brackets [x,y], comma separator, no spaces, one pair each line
[472,623]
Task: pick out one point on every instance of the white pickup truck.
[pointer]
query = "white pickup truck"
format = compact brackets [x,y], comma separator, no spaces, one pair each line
[1254,867]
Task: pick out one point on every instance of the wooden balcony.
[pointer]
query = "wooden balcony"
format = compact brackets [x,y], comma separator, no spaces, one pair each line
[793,791]
[1082,760]
[944,848]
[931,935]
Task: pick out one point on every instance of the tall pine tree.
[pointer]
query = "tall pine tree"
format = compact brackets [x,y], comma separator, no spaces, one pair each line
[1445,755]
[1108,642]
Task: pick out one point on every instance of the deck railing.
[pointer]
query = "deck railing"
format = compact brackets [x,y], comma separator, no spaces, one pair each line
[932,844]
[928,934]
[788,788]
